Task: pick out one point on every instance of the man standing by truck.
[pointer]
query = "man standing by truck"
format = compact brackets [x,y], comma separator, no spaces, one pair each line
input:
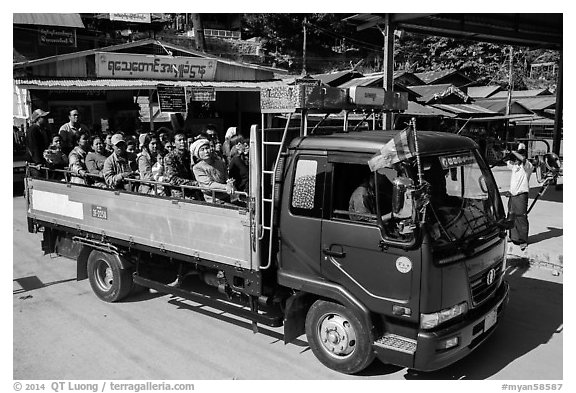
[518,202]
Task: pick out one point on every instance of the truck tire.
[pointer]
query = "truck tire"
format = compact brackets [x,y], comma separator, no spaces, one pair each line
[338,338]
[108,280]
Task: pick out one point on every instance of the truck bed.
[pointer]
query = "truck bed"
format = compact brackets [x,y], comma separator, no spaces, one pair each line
[212,232]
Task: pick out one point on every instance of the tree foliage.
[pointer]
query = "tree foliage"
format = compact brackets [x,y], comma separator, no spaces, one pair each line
[333,44]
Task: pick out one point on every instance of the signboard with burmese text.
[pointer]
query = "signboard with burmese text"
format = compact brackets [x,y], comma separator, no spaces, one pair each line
[131,17]
[136,66]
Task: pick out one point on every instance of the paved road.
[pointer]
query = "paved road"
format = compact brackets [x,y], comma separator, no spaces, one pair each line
[62,331]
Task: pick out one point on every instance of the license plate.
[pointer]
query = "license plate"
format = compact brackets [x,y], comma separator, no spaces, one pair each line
[490,320]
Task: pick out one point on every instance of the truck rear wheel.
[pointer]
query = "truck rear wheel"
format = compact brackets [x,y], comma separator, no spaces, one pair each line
[338,338]
[108,280]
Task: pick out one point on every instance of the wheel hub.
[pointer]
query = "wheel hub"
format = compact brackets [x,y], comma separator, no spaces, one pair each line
[337,335]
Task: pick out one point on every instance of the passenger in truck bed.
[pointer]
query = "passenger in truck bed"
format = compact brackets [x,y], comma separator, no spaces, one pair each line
[211,173]
[120,165]
[177,168]
[150,164]
[77,158]
[95,161]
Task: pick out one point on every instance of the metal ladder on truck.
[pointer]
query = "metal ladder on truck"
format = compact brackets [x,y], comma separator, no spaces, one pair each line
[273,145]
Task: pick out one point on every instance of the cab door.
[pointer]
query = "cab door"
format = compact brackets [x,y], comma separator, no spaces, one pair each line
[353,251]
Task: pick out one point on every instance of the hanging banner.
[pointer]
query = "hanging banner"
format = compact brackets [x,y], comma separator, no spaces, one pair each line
[131,17]
[201,93]
[172,98]
[135,66]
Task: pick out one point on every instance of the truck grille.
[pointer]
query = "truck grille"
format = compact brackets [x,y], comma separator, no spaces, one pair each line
[480,286]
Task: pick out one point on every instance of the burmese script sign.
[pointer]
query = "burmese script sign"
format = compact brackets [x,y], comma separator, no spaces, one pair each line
[135,66]
[60,37]
[131,17]
[172,98]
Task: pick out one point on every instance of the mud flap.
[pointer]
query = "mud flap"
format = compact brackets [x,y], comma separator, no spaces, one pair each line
[295,316]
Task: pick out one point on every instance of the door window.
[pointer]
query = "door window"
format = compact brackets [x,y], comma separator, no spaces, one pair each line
[308,186]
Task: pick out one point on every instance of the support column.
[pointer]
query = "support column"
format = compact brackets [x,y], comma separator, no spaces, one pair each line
[151,109]
[557,137]
[388,68]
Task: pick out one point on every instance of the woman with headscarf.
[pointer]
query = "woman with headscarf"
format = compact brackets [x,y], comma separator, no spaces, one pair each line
[210,172]
[227,146]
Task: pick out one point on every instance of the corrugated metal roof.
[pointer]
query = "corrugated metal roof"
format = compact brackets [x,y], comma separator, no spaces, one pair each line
[416,109]
[431,76]
[470,109]
[62,20]
[500,106]
[522,93]
[429,92]
[330,77]
[122,84]
[482,91]
[538,103]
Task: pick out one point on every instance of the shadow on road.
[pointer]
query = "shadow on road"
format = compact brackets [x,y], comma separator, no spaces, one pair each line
[551,233]
[220,315]
[552,194]
[32,283]
[531,319]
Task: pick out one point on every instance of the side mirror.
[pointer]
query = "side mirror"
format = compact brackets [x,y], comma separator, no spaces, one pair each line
[402,197]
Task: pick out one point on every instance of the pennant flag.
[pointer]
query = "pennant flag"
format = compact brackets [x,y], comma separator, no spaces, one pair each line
[399,148]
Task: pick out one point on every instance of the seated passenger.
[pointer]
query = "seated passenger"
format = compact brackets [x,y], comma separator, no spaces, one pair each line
[120,165]
[77,158]
[177,168]
[54,155]
[95,161]
[210,172]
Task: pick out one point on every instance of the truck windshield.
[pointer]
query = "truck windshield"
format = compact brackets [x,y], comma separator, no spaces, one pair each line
[464,199]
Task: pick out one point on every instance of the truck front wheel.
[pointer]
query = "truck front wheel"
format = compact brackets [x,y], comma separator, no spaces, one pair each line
[108,280]
[338,338]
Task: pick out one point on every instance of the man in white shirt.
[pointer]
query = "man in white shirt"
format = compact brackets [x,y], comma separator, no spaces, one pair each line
[69,131]
[518,203]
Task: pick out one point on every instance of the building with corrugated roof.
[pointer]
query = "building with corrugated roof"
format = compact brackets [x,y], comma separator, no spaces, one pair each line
[110,85]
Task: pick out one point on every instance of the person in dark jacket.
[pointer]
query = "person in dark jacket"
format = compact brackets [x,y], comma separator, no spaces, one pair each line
[177,168]
[37,140]
[238,168]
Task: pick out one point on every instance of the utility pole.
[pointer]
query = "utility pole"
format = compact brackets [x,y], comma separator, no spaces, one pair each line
[199,32]
[304,48]
[510,88]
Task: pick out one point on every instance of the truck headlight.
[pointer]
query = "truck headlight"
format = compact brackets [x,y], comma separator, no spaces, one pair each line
[429,321]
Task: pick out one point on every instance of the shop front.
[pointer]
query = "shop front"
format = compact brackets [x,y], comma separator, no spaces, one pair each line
[120,89]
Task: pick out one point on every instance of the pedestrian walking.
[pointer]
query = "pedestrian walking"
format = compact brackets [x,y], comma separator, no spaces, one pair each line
[521,169]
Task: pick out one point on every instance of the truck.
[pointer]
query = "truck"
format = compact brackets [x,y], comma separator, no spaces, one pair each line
[418,282]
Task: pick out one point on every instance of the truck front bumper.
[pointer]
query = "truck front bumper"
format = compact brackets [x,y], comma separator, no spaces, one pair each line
[427,352]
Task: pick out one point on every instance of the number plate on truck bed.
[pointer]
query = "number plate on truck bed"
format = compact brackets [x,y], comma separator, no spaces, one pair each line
[490,319]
